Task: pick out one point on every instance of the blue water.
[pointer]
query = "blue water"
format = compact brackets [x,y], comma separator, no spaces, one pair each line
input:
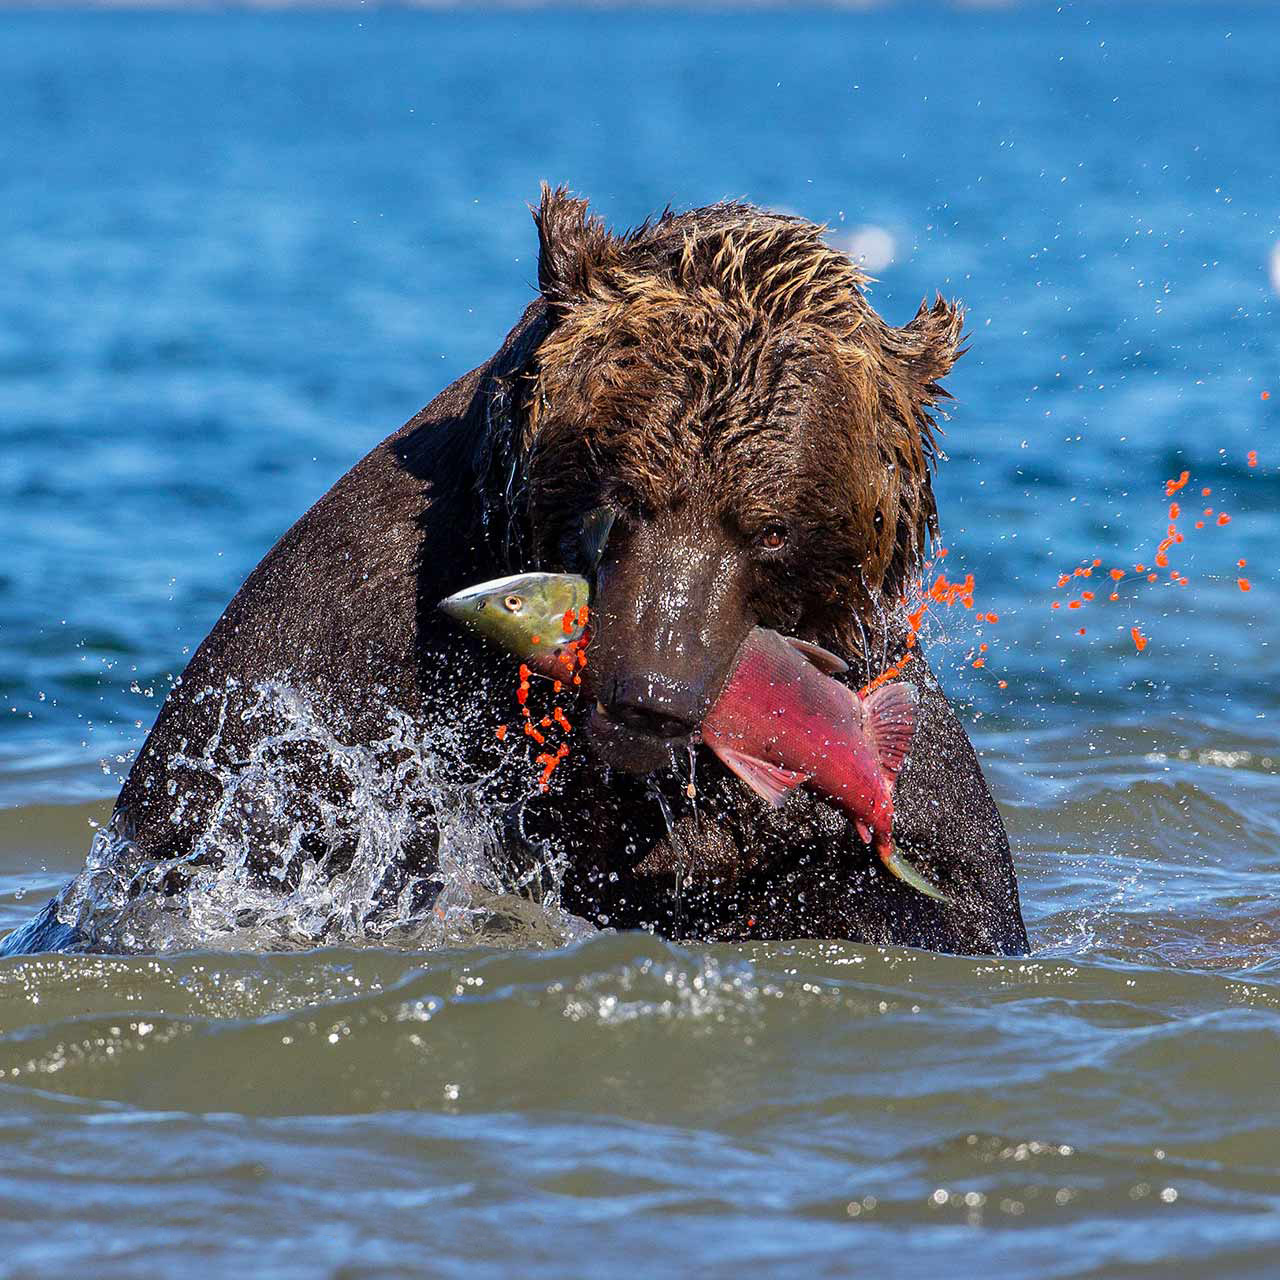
[241,248]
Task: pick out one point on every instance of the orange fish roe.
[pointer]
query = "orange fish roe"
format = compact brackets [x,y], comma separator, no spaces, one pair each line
[1266,395]
[1139,568]
[1172,486]
[980,662]
[533,733]
[993,618]
[1204,493]
[1057,604]
[1243,584]
[1115,595]
[1224,518]
[566,623]
[1086,595]
[1139,640]
[501,732]
[1004,684]
[1240,564]
[1151,577]
[1174,511]
[1199,524]
[1073,604]
[1117,574]
[1080,632]
[535,639]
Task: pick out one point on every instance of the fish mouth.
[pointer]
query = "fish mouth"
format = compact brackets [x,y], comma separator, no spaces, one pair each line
[622,747]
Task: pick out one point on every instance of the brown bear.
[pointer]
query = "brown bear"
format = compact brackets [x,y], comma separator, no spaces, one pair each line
[762,441]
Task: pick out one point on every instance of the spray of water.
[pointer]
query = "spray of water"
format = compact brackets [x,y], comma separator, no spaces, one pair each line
[315,840]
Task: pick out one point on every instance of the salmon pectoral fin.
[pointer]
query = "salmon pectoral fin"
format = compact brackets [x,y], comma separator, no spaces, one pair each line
[826,661]
[769,781]
[889,720]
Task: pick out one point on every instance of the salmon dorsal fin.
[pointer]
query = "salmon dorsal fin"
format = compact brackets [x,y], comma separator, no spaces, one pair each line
[769,781]
[826,661]
[889,719]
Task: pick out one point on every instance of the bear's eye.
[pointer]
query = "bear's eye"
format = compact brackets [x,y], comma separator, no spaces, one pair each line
[773,537]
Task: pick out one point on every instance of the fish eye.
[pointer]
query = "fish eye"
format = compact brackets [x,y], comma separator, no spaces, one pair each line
[514,603]
[773,537]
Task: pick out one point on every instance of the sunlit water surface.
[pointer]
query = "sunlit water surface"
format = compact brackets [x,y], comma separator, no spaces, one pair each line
[241,248]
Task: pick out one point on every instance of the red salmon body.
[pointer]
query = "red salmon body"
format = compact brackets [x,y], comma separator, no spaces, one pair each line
[781,722]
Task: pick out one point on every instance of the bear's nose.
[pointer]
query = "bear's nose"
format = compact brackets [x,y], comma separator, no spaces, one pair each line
[653,705]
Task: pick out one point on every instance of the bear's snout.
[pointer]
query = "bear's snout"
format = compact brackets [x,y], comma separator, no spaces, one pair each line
[668,617]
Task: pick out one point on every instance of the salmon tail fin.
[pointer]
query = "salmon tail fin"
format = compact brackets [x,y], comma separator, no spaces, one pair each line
[900,867]
[889,718]
[769,781]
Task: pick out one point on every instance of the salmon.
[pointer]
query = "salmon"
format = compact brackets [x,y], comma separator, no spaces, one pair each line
[782,721]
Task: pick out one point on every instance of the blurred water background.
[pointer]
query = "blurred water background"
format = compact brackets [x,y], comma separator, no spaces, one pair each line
[240,248]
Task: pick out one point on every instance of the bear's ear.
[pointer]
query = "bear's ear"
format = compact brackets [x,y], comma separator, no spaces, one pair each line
[574,248]
[930,345]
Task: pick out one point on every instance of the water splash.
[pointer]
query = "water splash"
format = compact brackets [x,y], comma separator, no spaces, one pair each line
[315,840]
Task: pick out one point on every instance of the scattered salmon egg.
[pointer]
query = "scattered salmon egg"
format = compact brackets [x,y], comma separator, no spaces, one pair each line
[1081,631]
[1057,604]
[1151,577]
[535,639]
[1204,493]
[1199,524]
[1174,511]
[993,618]
[1240,564]
[1140,568]
[1086,595]
[1073,604]
[1115,595]
[1253,457]
[982,648]
[1004,684]
[1243,584]
[979,662]
[501,732]
[1266,395]
[1117,574]
[1224,518]
[1139,640]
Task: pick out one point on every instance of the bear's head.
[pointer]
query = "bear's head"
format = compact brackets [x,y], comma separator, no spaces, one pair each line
[716,385]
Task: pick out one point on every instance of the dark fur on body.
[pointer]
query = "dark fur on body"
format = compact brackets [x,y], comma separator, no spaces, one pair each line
[718,380]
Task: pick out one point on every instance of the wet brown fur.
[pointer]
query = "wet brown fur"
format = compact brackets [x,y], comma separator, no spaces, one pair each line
[733,351]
